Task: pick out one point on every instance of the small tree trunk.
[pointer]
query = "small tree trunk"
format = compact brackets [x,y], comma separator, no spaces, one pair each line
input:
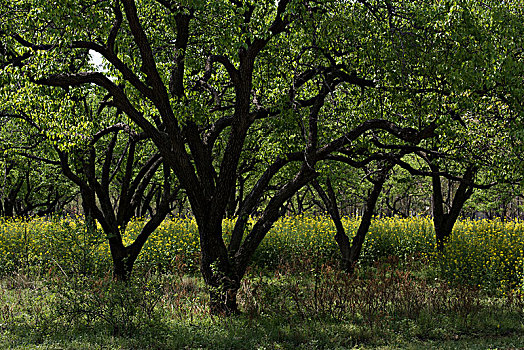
[443,228]
[444,222]
[8,208]
[350,251]
[329,199]
[122,269]
[223,297]
[123,260]
[365,223]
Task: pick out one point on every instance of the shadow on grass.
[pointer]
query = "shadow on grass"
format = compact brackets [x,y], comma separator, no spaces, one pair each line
[288,309]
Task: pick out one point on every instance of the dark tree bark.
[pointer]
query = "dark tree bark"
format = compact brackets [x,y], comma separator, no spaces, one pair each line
[446,209]
[11,199]
[444,220]
[23,194]
[96,190]
[350,251]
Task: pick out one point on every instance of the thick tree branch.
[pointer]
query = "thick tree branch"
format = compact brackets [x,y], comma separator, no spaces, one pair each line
[234,74]
[40,159]
[120,98]
[117,127]
[115,29]
[112,58]
[406,134]
[146,53]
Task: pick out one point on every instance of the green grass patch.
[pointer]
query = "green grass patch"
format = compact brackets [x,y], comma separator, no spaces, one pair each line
[385,308]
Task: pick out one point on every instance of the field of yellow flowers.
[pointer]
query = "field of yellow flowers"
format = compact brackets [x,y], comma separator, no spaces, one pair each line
[488,254]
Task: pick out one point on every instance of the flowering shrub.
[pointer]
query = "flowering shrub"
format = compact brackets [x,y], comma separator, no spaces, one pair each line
[487,254]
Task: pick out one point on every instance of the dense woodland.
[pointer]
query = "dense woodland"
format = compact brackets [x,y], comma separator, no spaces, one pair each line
[244,109]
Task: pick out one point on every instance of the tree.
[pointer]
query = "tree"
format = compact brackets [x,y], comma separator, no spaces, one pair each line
[203,80]
[30,183]
[115,172]
[350,251]
[31,188]
[468,90]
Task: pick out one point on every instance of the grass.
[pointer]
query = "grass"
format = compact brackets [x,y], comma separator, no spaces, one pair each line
[56,293]
[384,307]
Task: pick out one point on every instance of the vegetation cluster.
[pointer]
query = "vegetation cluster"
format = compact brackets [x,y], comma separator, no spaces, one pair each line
[487,254]
[57,285]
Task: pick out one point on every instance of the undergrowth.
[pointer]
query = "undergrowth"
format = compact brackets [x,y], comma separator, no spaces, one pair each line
[295,306]
[56,288]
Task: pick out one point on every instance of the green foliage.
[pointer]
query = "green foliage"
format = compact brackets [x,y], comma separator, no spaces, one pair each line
[94,302]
